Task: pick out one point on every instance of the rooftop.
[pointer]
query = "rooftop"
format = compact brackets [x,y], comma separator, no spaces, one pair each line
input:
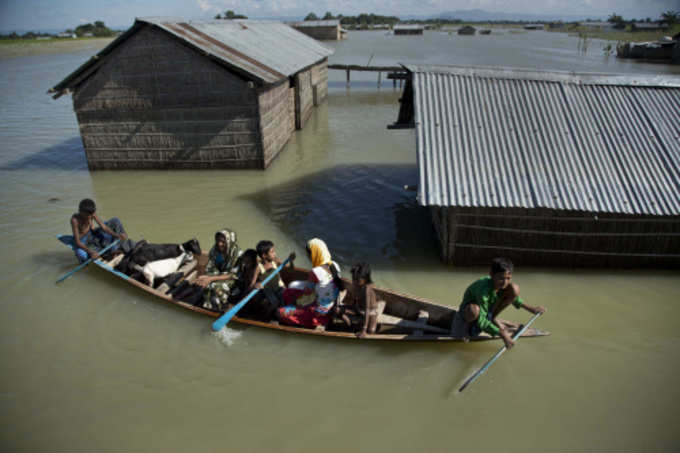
[264,51]
[504,137]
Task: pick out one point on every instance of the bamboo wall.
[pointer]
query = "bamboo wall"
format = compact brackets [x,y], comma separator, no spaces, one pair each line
[319,83]
[277,119]
[322,33]
[155,103]
[304,97]
[473,236]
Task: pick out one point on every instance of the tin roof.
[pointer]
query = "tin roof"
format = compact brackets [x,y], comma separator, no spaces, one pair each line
[500,137]
[264,51]
[316,23]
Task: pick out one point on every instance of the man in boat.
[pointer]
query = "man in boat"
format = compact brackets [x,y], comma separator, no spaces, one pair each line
[86,238]
[485,299]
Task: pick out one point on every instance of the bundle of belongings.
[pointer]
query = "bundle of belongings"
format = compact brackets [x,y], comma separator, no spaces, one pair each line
[157,264]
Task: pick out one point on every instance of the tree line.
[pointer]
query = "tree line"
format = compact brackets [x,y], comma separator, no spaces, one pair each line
[98,29]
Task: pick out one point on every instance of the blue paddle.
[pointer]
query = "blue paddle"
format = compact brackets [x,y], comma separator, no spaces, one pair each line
[225,318]
[486,366]
[89,260]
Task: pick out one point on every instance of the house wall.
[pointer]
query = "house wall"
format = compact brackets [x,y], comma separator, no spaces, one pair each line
[311,89]
[322,33]
[277,119]
[474,236]
[408,31]
[155,103]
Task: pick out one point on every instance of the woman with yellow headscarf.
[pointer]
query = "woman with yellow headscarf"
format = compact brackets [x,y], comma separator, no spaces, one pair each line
[324,280]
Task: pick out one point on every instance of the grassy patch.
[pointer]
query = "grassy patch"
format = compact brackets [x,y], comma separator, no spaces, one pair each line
[619,35]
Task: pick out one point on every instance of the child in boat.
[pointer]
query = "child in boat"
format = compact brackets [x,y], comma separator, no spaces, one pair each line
[219,277]
[86,238]
[324,281]
[259,307]
[362,302]
[268,262]
[485,299]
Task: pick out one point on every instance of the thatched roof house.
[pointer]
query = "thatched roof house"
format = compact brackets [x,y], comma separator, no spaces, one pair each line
[198,94]
[548,168]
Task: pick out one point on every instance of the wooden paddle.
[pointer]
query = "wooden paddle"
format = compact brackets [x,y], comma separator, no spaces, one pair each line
[89,260]
[225,318]
[486,366]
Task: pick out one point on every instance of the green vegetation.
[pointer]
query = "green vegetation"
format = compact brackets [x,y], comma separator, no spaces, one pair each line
[98,29]
[624,30]
[229,14]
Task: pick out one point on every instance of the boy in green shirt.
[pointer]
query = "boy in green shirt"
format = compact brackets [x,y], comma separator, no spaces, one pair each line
[485,299]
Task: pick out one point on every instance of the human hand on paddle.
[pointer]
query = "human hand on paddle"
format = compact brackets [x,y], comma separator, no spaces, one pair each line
[509,342]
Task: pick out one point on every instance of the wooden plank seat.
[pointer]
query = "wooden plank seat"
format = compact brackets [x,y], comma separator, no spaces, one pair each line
[418,326]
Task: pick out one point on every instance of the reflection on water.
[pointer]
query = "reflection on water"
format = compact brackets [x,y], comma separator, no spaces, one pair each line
[361,211]
[98,366]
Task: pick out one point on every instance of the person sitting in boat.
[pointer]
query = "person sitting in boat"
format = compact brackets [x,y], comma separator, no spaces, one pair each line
[362,302]
[87,239]
[249,276]
[268,261]
[324,281]
[485,299]
[219,277]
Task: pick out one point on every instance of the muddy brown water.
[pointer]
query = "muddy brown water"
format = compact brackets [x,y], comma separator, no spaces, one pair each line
[91,365]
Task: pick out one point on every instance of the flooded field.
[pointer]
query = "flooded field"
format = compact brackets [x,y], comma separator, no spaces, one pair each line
[91,365]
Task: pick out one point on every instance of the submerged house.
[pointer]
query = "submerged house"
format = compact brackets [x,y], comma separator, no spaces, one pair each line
[197,94]
[548,168]
[408,29]
[323,30]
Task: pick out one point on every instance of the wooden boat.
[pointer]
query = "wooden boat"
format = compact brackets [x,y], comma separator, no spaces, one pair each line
[404,317]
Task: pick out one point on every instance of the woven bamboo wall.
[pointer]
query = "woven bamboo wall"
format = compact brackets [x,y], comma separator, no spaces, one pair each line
[319,83]
[277,119]
[473,236]
[155,103]
[304,97]
[322,33]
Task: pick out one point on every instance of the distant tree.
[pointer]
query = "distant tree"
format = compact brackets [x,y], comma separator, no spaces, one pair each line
[617,20]
[311,16]
[328,16]
[671,17]
[230,15]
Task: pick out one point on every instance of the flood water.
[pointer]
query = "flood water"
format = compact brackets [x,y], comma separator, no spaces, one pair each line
[91,365]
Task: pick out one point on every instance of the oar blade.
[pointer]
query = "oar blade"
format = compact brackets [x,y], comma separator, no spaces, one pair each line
[490,362]
[225,318]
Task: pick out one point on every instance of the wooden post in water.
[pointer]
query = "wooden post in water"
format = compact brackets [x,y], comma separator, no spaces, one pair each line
[394,80]
[379,77]
[347,76]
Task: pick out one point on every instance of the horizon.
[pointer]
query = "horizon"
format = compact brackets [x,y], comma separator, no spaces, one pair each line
[44,16]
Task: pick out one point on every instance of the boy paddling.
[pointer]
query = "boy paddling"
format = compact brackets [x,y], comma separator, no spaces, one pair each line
[485,299]
[86,238]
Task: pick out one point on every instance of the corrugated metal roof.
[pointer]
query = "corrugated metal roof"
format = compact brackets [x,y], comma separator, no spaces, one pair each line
[490,137]
[267,51]
[316,23]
